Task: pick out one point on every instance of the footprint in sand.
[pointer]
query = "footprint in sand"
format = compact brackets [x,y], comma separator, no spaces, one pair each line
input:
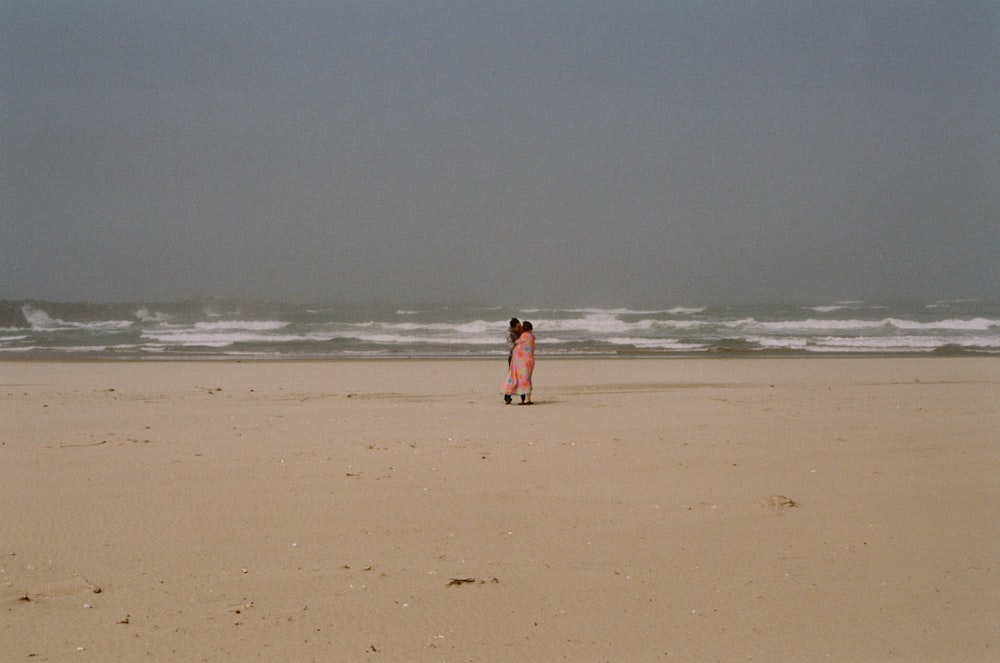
[778,502]
[67,587]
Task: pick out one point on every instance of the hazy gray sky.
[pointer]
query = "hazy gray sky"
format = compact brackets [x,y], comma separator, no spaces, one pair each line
[519,153]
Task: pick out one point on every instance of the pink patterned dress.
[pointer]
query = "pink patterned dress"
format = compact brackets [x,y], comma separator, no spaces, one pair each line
[522,364]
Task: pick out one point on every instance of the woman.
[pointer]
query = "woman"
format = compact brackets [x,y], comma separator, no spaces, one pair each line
[522,364]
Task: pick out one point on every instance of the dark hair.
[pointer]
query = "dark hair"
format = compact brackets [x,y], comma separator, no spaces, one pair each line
[526,326]
[514,322]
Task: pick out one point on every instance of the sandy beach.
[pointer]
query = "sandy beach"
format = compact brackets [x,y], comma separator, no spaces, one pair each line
[642,510]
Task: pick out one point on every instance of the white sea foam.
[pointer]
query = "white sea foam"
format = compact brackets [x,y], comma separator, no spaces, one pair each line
[942,303]
[594,323]
[145,315]
[107,325]
[416,339]
[679,324]
[252,325]
[975,324]
[813,324]
[217,340]
[91,349]
[654,343]
[183,329]
[39,320]
[678,310]
[875,344]
[467,328]
[786,342]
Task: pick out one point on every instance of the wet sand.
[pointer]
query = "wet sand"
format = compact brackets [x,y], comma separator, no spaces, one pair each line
[696,510]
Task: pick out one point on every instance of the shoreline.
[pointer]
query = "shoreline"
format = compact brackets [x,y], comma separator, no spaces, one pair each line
[368,510]
[686,356]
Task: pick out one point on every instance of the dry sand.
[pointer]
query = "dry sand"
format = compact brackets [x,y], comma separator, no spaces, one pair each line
[642,510]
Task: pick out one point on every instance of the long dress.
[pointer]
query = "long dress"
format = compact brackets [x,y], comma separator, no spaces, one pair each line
[522,364]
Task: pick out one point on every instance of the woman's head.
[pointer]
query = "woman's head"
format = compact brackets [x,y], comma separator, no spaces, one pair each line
[526,326]
[514,322]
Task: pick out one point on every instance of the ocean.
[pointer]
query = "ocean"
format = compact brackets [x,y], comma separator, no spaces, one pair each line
[234,330]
